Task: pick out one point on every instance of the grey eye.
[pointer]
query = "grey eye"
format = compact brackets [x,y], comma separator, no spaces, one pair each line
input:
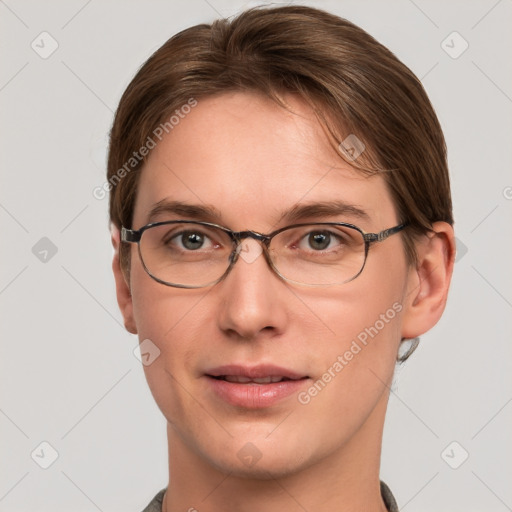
[319,240]
[192,240]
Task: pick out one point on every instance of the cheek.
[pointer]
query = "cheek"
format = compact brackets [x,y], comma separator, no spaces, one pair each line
[168,322]
[365,333]
[372,302]
[360,325]
[161,310]
[354,365]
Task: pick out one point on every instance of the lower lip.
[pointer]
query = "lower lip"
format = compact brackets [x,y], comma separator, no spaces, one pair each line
[254,396]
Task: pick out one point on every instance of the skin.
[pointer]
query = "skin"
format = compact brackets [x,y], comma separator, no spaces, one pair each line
[251,160]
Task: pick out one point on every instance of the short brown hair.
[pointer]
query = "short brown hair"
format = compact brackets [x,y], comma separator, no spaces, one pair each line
[355,85]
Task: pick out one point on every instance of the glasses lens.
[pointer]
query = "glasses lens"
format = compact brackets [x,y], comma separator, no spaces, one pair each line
[186,254]
[318,254]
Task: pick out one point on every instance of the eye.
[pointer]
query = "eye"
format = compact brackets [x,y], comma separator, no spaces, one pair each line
[320,240]
[190,240]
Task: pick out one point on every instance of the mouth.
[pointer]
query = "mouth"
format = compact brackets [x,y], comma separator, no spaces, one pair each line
[241,379]
[254,387]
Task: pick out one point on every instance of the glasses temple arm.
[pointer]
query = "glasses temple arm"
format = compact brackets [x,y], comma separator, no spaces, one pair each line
[379,237]
[129,235]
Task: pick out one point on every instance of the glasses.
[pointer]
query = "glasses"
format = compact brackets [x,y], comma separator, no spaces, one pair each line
[190,254]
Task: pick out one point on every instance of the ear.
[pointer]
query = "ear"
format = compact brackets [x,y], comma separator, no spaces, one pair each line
[124,296]
[429,281]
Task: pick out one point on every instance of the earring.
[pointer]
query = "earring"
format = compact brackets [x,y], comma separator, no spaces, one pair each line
[407,347]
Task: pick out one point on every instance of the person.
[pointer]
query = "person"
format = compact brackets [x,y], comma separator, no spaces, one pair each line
[282,224]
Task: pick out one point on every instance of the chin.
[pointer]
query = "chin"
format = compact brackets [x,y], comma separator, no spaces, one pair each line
[260,470]
[259,459]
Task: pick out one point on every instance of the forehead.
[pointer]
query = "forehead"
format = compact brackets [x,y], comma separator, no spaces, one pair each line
[251,160]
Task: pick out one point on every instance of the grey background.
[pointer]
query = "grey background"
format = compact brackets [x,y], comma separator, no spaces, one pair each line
[69,375]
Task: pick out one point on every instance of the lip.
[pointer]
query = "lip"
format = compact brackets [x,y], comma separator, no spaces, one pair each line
[254,372]
[253,395]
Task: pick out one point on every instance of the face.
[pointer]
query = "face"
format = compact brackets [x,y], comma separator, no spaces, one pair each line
[251,162]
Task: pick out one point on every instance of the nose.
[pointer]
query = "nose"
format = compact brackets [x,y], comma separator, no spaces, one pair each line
[252,300]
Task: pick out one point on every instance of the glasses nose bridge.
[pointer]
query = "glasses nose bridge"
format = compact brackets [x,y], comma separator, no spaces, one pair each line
[239,236]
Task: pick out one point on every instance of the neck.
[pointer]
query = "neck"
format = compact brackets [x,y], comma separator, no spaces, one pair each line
[347,480]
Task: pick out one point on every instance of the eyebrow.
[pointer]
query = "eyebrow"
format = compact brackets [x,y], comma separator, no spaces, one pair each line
[323,209]
[299,212]
[193,211]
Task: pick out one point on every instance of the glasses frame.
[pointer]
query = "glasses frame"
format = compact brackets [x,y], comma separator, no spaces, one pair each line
[237,237]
